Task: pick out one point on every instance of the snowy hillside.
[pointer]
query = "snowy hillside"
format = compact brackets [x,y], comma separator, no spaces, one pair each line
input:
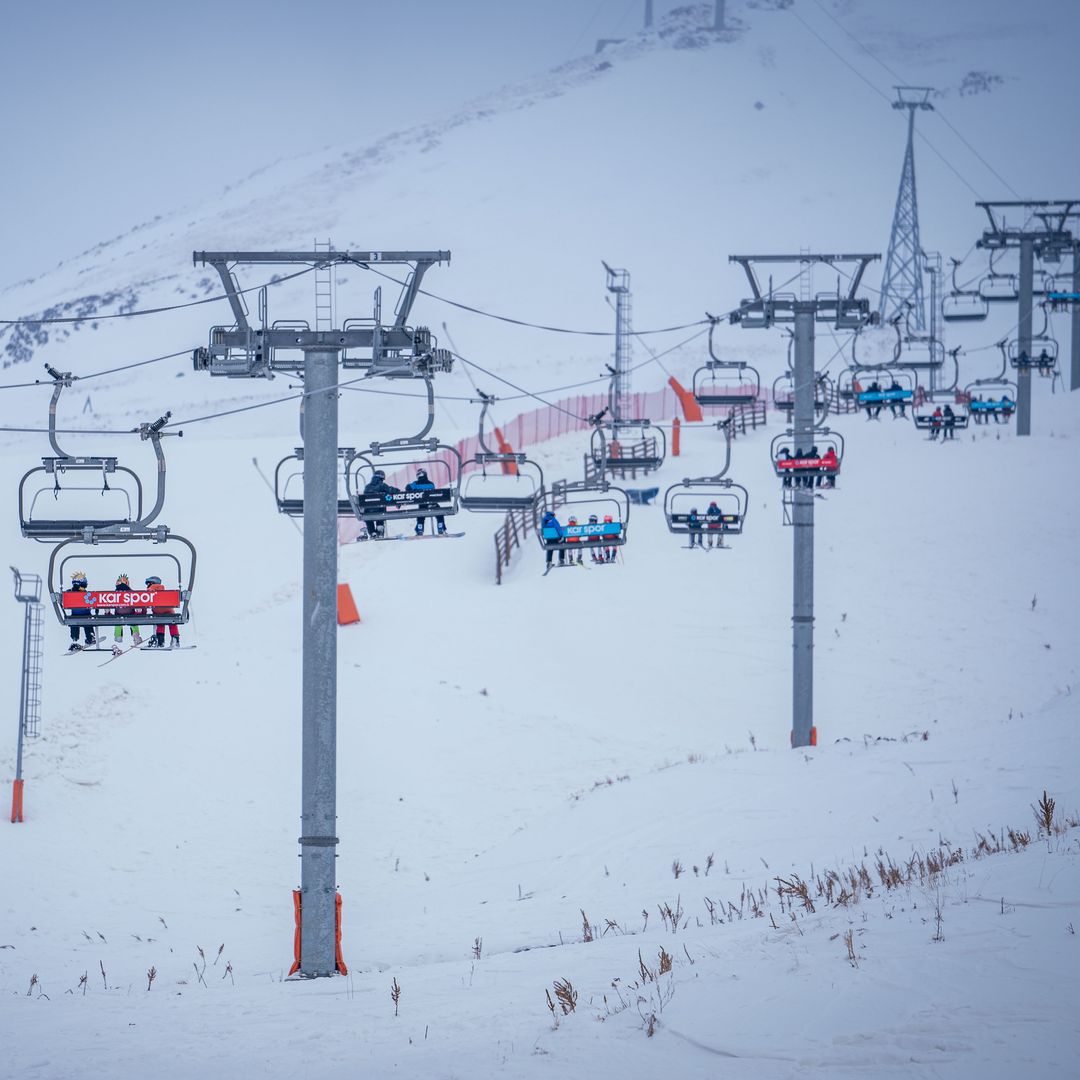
[577,789]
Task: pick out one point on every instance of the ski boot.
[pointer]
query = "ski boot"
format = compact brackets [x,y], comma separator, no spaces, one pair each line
[442,528]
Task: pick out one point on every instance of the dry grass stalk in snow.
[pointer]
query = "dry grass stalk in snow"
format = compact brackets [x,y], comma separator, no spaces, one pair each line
[395,994]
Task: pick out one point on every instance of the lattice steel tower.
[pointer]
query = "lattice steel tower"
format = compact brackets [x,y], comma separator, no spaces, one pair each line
[902,281]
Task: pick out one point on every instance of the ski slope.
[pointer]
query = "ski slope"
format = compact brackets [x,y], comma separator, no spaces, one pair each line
[521,767]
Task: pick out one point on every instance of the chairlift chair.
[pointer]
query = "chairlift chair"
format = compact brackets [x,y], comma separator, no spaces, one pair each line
[731,499]
[101,604]
[995,397]
[963,305]
[922,414]
[783,395]
[442,464]
[514,482]
[896,389]
[726,383]
[289,483]
[581,500]
[998,288]
[800,466]
[610,451]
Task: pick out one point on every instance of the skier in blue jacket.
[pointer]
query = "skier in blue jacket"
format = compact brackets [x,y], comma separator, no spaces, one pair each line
[422,483]
[550,521]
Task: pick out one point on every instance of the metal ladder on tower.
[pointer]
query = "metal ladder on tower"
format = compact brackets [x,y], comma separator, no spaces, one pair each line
[325,289]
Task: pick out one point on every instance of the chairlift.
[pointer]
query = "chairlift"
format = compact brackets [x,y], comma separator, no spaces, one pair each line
[1043,353]
[725,382]
[689,507]
[996,287]
[95,492]
[514,482]
[994,397]
[103,558]
[816,465]
[963,305]
[289,483]
[909,344]
[611,451]
[929,415]
[889,388]
[574,504]
[783,395]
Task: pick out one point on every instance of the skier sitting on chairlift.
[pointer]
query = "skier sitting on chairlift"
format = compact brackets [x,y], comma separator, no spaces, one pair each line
[153,584]
[377,485]
[609,549]
[422,483]
[894,387]
[1045,363]
[79,584]
[693,523]
[571,522]
[830,465]
[874,407]
[935,422]
[123,584]
[715,517]
[550,521]
[949,427]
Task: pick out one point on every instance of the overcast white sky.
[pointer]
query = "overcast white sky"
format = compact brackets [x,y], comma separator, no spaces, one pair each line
[116,111]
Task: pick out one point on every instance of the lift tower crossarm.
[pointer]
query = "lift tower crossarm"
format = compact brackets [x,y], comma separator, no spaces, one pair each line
[220,260]
[745,260]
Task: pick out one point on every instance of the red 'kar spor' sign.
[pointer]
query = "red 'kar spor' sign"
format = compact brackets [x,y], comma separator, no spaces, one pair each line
[92,598]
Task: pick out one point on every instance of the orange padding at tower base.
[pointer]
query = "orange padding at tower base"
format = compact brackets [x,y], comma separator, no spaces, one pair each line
[813,736]
[339,962]
[691,409]
[346,607]
[16,802]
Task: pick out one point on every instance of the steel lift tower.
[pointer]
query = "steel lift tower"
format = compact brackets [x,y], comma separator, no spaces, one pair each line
[249,352]
[1041,234]
[844,312]
[901,284]
[618,282]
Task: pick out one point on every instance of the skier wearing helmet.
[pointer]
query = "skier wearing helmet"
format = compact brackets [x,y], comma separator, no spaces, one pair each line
[609,549]
[549,522]
[595,553]
[377,485]
[123,584]
[693,523]
[714,518]
[422,483]
[153,585]
[571,523]
[79,584]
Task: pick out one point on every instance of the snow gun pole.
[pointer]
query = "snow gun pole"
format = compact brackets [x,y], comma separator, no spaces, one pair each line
[319,769]
[802,614]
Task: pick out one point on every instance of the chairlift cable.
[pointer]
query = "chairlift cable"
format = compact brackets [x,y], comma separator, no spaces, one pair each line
[877,59]
[518,322]
[881,93]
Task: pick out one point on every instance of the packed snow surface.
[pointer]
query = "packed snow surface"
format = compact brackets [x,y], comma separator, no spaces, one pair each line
[574,790]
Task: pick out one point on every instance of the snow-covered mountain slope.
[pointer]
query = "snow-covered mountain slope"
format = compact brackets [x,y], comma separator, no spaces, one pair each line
[583,755]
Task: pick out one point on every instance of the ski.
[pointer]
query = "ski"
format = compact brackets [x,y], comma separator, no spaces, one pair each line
[123,652]
[425,536]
